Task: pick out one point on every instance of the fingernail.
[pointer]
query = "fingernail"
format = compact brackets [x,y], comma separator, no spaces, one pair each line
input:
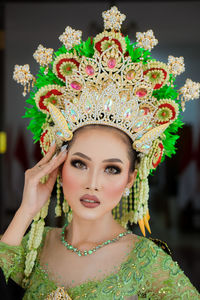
[53,143]
[55,155]
[64,148]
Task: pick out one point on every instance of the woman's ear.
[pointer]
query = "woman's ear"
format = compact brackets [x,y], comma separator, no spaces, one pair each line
[132,177]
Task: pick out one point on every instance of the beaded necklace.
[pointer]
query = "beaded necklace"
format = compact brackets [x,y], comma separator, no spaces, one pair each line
[85,253]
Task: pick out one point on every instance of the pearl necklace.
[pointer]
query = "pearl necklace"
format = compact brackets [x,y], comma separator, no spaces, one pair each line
[85,253]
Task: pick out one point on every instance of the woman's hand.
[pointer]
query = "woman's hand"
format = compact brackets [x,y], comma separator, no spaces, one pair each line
[35,193]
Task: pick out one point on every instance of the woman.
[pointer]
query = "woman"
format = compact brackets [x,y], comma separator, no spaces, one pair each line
[96,126]
[84,174]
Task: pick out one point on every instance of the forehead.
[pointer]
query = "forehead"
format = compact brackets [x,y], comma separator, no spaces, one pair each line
[101,142]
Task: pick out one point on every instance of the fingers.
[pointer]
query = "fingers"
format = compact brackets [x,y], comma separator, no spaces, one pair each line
[52,179]
[49,155]
[51,165]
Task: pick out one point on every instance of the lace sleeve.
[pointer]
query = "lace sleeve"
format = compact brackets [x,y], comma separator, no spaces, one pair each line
[166,279]
[12,260]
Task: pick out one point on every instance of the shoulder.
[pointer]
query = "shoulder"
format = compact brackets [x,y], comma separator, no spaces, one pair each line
[150,253]
[153,249]
[47,230]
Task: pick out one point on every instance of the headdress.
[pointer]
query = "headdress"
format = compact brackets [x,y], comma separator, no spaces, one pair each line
[110,81]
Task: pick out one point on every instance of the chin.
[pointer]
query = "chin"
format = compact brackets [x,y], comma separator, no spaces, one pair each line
[89,214]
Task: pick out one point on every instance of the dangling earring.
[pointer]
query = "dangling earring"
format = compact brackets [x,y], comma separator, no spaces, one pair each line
[126,192]
[70,216]
[65,207]
[58,210]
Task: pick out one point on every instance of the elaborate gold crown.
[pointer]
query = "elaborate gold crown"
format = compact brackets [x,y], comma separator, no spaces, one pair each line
[110,90]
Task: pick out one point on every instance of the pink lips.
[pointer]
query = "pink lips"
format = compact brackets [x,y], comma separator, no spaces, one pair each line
[89,204]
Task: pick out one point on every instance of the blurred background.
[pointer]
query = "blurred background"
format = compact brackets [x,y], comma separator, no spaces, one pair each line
[175,187]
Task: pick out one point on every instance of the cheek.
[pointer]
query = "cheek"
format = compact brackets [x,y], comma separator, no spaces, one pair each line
[71,182]
[114,189]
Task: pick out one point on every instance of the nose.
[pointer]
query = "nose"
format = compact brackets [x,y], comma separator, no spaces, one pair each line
[92,182]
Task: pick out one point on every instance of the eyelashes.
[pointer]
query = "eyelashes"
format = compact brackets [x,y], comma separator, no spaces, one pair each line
[77,163]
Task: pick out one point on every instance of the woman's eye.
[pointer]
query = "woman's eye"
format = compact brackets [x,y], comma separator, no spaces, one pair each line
[113,170]
[78,164]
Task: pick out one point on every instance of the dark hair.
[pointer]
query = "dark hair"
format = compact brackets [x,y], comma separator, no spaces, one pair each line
[132,154]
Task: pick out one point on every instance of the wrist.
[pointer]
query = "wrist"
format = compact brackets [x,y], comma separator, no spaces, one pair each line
[25,213]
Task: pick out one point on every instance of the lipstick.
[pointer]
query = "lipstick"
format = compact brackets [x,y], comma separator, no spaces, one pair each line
[89,201]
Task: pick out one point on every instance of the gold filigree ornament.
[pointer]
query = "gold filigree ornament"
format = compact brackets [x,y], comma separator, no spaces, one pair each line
[189,91]
[23,76]
[63,131]
[70,37]
[145,142]
[59,294]
[146,40]
[113,19]
[132,72]
[43,56]
[112,60]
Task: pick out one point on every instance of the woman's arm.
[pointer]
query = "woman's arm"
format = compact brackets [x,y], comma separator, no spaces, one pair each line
[17,228]
[35,195]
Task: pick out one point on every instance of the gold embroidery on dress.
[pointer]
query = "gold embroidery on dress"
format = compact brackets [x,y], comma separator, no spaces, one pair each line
[58,294]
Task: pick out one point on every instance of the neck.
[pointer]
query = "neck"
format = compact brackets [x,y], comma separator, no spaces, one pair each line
[81,231]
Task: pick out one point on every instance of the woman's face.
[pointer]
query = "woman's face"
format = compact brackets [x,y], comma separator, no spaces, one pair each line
[97,164]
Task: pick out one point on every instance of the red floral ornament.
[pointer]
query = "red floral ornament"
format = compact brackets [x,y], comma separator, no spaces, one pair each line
[105,40]
[167,111]
[157,155]
[64,65]
[99,47]
[45,141]
[157,73]
[49,93]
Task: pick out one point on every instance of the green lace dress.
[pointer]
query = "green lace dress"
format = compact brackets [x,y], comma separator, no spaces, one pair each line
[147,273]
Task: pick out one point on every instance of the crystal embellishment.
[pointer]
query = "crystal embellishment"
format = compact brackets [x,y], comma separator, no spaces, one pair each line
[130,75]
[88,106]
[73,115]
[111,63]
[22,74]
[108,105]
[128,113]
[176,65]
[70,37]
[141,92]
[43,55]
[113,18]
[89,70]
[146,40]
[76,85]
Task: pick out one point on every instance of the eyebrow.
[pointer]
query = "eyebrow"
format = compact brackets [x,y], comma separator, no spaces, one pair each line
[105,160]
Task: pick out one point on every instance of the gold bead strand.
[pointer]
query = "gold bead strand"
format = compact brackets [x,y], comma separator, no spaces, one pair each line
[118,211]
[65,207]
[136,198]
[123,206]
[130,202]
[58,210]
[114,212]
[35,237]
